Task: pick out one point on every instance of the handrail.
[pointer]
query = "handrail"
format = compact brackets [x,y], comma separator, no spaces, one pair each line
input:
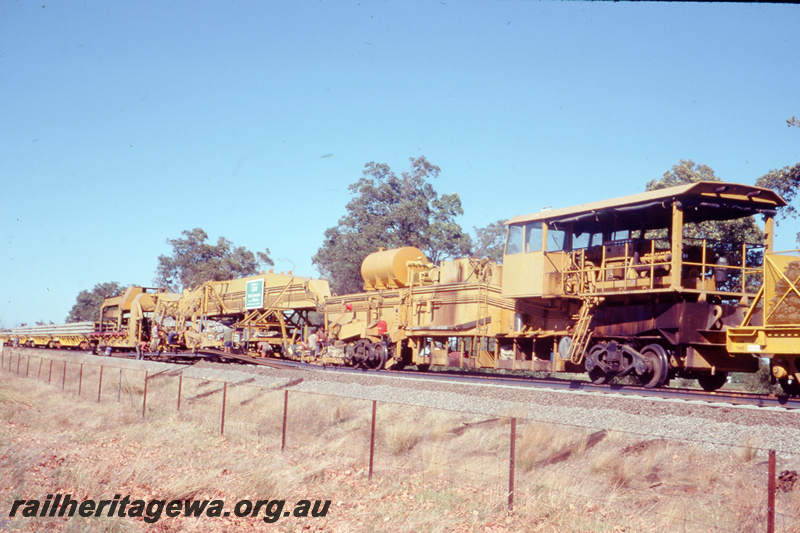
[617,265]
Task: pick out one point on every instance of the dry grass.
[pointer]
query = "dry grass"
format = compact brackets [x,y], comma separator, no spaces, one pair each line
[434,470]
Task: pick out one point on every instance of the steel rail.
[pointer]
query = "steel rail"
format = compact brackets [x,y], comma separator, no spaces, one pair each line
[727,397]
[722,397]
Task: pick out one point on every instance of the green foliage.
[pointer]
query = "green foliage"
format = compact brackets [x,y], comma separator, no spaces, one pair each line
[193,261]
[724,237]
[785,182]
[490,241]
[88,303]
[685,172]
[391,211]
[733,231]
[761,382]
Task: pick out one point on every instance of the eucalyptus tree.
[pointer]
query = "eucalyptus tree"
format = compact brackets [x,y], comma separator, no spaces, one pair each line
[194,261]
[88,302]
[388,210]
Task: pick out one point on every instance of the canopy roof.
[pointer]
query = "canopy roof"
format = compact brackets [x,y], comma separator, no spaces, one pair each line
[701,201]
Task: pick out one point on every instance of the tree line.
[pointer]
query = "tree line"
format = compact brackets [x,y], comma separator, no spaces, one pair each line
[390,210]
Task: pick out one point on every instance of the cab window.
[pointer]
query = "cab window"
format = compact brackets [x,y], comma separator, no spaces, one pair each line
[586,239]
[514,240]
[621,235]
[556,239]
[533,237]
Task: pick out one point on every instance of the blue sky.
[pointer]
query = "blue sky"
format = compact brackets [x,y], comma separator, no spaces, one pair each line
[125,123]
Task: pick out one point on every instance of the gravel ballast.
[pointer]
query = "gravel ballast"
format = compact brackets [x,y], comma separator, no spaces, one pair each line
[709,425]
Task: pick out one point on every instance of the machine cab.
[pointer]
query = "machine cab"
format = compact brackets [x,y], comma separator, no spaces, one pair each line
[672,239]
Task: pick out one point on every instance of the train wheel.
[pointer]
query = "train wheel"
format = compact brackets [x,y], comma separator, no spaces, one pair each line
[711,383]
[657,367]
[791,388]
[383,355]
[362,352]
[375,356]
[596,374]
[350,355]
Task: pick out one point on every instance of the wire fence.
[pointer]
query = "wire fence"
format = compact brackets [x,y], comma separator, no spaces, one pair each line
[502,463]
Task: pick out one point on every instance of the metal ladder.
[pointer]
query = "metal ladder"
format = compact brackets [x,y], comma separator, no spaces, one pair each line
[581,334]
[482,315]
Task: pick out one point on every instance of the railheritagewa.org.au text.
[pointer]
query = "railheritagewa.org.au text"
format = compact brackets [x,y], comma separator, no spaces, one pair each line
[151,511]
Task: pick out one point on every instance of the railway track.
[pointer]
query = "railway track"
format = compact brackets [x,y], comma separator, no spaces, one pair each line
[719,397]
[221,357]
[216,356]
[724,397]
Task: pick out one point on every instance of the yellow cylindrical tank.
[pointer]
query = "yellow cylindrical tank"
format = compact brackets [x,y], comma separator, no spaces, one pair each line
[388,269]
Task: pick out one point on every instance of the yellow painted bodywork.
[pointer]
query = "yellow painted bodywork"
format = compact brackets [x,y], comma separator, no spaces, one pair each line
[779,299]
[226,298]
[454,315]
[528,278]
[777,336]
[282,296]
[71,335]
[122,317]
[388,269]
[543,267]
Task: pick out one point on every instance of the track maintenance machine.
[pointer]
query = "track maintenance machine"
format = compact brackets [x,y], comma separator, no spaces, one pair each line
[269,309]
[630,286]
[123,322]
[771,327]
[126,319]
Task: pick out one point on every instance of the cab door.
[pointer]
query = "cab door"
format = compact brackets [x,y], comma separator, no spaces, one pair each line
[523,260]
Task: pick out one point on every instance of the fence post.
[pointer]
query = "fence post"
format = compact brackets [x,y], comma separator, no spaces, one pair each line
[80,380]
[372,437]
[285,406]
[50,374]
[100,384]
[512,464]
[119,385]
[771,494]
[180,386]
[144,396]
[224,396]
[28,365]
[19,360]
[64,377]
[39,374]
